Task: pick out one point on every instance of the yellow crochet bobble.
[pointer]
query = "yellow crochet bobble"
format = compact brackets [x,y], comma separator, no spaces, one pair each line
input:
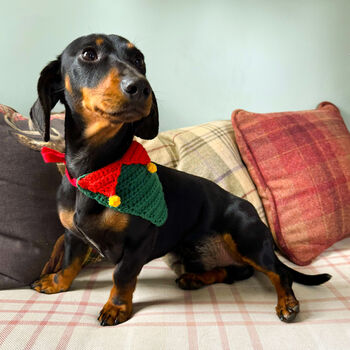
[151,167]
[114,201]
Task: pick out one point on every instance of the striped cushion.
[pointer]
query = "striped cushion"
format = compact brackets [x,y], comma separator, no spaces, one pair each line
[300,163]
[207,150]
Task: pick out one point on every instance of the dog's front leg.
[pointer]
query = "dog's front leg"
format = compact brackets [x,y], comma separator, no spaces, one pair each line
[118,308]
[75,253]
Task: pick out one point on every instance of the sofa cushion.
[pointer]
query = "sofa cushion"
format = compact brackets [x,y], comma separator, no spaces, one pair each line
[28,216]
[300,163]
[208,150]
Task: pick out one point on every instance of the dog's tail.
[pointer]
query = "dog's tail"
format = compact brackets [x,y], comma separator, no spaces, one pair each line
[308,280]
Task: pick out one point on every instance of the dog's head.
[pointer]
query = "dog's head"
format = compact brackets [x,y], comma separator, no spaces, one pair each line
[101,79]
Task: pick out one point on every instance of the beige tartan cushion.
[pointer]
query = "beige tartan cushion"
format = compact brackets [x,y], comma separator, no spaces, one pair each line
[208,150]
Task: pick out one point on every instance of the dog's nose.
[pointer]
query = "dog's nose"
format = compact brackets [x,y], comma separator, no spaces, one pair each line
[136,88]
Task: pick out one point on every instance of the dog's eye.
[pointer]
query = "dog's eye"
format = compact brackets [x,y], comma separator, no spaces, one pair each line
[89,55]
[138,61]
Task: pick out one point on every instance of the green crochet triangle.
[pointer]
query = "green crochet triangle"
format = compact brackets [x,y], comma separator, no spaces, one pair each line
[140,191]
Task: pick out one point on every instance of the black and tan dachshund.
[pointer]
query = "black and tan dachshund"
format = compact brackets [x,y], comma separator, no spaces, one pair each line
[210,235]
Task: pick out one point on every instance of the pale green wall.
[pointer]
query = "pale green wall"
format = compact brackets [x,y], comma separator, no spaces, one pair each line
[205,58]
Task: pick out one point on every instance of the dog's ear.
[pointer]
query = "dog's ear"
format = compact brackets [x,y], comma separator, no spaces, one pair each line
[147,128]
[49,92]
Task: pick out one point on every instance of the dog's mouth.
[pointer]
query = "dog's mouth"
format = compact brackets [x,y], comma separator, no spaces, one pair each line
[128,115]
[125,114]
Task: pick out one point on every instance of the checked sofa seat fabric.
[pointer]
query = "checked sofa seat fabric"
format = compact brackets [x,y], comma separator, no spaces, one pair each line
[236,316]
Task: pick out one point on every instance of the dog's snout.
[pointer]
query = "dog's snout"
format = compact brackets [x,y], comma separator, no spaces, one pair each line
[136,88]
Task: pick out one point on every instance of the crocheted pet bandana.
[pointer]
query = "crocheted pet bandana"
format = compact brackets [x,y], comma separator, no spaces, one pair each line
[129,185]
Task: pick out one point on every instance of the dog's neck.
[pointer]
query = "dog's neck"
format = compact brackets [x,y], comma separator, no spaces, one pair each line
[81,157]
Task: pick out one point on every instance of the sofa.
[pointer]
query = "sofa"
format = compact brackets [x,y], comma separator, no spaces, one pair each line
[220,316]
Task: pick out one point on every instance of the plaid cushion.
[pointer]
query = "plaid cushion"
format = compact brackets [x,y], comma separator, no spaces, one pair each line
[208,150]
[300,163]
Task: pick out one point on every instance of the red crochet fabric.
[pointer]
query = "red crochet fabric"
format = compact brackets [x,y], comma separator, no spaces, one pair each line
[105,180]
[129,185]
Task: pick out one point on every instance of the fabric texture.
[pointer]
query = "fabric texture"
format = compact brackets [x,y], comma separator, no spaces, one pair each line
[237,316]
[28,214]
[300,163]
[22,129]
[129,185]
[208,150]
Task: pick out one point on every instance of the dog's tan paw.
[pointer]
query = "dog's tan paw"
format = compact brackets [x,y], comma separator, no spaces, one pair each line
[189,281]
[287,311]
[112,314]
[49,284]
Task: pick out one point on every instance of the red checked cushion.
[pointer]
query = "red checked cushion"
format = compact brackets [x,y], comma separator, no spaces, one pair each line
[300,163]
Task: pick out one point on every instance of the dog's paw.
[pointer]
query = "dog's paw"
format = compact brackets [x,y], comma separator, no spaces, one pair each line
[189,281]
[49,284]
[112,314]
[288,311]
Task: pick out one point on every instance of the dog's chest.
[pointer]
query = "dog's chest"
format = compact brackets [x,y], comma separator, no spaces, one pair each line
[96,229]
